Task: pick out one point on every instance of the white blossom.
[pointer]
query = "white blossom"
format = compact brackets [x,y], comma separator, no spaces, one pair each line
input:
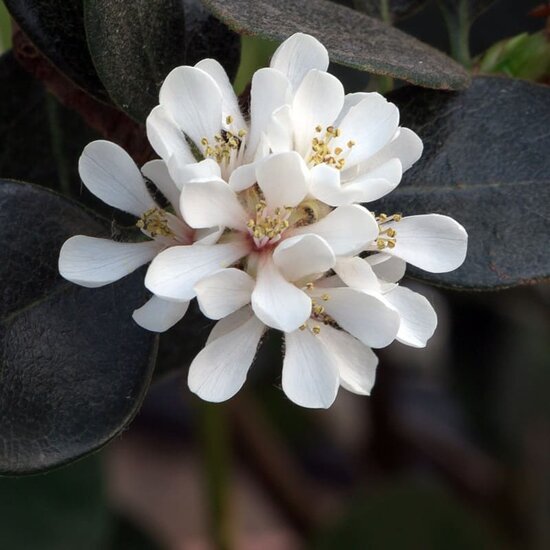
[111,175]
[276,234]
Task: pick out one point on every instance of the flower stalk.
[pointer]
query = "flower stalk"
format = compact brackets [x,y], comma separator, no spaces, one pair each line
[216,456]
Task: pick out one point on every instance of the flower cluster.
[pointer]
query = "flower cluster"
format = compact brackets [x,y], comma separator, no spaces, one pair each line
[266,225]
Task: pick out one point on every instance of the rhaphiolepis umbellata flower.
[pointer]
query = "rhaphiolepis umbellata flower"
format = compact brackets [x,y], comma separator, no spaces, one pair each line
[288,246]
[111,175]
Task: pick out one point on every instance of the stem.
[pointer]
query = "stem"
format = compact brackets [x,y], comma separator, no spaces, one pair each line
[385,13]
[216,454]
[458,26]
[56,137]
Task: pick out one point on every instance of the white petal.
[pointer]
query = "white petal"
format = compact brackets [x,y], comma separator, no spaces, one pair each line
[194,101]
[224,292]
[280,130]
[208,235]
[243,177]
[374,184]
[318,101]
[230,102]
[356,362]
[297,55]
[405,146]
[418,317]
[388,268]
[357,273]
[230,323]
[283,179]
[209,203]
[269,90]
[174,272]
[431,242]
[205,169]
[159,315]
[166,138]
[276,302]
[371,124]
[365,316]
[110,174]
[326,186]
[219,371]
[93,262]
[350,100]
[157,172]
[310,374]
[303,255]
[346,229]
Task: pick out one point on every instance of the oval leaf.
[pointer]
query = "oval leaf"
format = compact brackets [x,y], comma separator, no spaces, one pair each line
[486,164]
[56,28]
[74,367]
[352,38]
[135,45]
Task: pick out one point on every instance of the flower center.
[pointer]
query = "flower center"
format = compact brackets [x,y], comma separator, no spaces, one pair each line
[155,222]
[266,229]
[226,144]
[386,235]
[318,315]
[323,152]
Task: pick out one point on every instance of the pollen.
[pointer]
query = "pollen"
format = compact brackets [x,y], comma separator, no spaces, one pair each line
[386,235]
[225,146]
[323,153]
[266,227]
[155,222]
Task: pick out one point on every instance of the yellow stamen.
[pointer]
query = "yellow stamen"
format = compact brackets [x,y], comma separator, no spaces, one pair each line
[155,222]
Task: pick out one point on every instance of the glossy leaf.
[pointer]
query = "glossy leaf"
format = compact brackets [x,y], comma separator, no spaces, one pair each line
[486,164]
[56,27]
[42,139]
[74,367]
[352,38]
[62,510]
[135,45]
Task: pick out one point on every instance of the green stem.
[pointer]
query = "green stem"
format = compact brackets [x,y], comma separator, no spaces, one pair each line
[385,13]
[458,26]
[216,455]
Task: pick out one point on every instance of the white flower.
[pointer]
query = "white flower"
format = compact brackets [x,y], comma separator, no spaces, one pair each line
[199,113]
[351,313]
[352,143]
[111,175]
[331,348]
[278,236]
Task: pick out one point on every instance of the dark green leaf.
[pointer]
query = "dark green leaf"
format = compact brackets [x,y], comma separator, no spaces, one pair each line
[135,45]
[352,38]
[62,510]
[74,367]
[56,28]
[398,9]
[409,515]
[41,139]
[486,164]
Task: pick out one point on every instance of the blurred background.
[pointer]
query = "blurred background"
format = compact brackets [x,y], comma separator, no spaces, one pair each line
[451,451]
